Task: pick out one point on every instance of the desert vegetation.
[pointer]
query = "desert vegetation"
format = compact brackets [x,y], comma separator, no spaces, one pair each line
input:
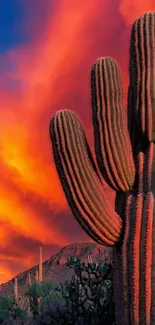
[87,298]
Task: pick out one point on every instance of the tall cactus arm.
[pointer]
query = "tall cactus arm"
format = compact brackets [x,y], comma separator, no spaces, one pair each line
[142,73]
[82,187]
[112,143]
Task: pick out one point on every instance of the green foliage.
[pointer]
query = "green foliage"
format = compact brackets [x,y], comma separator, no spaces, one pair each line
[5,305]
[85,299]
[49,294]
[88,296]
[9,309]
[33,293]
[40,294]
[33,290]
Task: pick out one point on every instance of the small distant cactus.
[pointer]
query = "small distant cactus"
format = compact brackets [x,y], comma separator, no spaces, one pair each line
[125,154]
[85,299]
[90,259]
[29,279]
[15,289]
[38,295]
[40,266]
[37,276]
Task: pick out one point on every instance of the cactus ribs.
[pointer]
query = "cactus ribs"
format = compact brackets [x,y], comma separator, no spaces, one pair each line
[125,154]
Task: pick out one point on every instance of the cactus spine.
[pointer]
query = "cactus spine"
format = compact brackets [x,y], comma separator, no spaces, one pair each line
[125,154]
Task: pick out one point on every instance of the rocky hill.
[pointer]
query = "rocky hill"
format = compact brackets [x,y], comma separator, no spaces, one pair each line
[55,268]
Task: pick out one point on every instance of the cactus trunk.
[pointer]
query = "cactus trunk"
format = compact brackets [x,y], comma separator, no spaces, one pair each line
[125,154]
[134,257]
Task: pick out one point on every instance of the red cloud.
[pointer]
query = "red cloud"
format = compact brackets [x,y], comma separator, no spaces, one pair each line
[50,73]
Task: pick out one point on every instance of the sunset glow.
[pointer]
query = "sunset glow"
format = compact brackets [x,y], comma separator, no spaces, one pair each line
[38,77]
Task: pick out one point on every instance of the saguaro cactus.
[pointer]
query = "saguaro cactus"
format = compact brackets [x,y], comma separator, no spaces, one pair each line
[125,149]
[29,279]
[37,276]
[40,265]
[15,288]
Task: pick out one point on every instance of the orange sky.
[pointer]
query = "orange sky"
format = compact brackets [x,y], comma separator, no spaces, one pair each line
[50,73]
